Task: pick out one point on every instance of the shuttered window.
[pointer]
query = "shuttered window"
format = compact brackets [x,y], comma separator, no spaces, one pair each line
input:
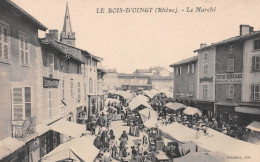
[24,50]
[257,44]
[255,92]
[230,65]
[50,103]
[79,96]
[4,42]
[51,64]
[85,91]
[71,88]
[21,103]
[229,91]
[256,63]
[205,69]
[63,90]
[205,91]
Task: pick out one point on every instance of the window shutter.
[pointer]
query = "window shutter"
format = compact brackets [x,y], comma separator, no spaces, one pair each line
[252,92]
[253,63]
[50,63]
[17,104]
[55,63]
[27,95]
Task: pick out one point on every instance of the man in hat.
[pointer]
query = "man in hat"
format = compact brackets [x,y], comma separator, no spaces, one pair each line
[124,135]
[215,123]
[224,130]
[179,118]
[140,148]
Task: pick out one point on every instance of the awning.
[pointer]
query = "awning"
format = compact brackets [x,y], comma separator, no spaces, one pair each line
[248,110]
[68,128]
[178,132]
[153,123]
[79,149]
[9,145]
[175,106]
[192,111]
[147,114]
[203,156]
[255,125]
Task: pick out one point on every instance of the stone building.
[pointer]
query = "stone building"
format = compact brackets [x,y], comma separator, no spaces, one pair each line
[206,79]
[43,82]
[185,80]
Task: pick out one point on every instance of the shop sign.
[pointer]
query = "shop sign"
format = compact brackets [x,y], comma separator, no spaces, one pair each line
[229,78]
[50,83]
[206,79]
[70,50]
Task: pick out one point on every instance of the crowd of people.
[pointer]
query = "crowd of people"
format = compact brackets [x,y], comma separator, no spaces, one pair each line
[112,147]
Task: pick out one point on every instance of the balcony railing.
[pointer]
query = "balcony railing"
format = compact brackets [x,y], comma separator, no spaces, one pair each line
[23,128]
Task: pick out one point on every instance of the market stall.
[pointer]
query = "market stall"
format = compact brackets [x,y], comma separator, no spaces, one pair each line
[147,114]
[219,142]
[74,150]
[192,111]
[203,157]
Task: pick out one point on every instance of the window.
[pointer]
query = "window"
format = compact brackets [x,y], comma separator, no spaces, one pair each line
[192,68]
[94,65]
[255,92]
[256,63]
[51,64]
[191,87]
[95,85]
[90,86]
[231,49]
[257,44]
[50,103]
[230,65]
[206,56]
[229,91]
[189,69]
[24,50]
[4,42]
[71,88]
[205,90]
[21,103]
[85,91]
[178,70]
[205,69]
[63,90]
[79,91]
[90,63]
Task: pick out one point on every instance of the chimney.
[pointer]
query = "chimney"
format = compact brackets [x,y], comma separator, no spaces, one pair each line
[202,45]
[245,29]
[52,35]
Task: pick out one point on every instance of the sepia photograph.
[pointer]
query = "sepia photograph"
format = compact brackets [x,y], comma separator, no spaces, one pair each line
[129,81]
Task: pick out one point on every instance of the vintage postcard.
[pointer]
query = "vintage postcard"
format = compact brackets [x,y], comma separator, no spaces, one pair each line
[129,81]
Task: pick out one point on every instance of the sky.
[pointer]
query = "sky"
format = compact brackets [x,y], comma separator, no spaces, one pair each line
[129,41]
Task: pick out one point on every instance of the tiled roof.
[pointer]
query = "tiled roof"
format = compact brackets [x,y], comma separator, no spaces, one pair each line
[142,71]
[25,15]
[161,77]
[110,70]
[188,60]
[236,38]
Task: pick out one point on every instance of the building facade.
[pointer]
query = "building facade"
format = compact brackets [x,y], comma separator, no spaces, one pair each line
[185,80]
[42,82]
[206,80]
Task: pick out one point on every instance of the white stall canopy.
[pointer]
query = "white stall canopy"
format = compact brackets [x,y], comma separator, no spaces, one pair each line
[255,126]
[192,111]
[147,114]
[68,128]
[78,149]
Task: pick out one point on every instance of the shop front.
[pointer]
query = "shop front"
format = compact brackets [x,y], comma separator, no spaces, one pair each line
[93,103]
[48,141]
[82,114]
[248,112]
[227,114]
[206,107]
